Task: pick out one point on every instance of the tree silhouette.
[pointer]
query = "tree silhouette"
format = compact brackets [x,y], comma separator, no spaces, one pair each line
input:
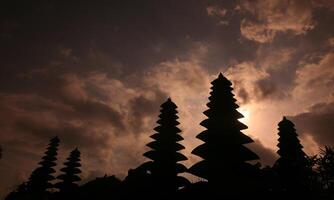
[101,188]
[326,168]
[139,183]
[165,154]
[224,156]
[40,179]
[70,173]
[292,165]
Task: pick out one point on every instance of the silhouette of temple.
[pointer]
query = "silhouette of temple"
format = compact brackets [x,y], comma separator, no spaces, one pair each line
[40,179]
[227,169]
[291,166]
[165,155]
[225,157]
[70,176]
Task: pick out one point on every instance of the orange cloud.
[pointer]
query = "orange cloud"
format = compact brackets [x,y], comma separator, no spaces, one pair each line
[315,81]
[270,17]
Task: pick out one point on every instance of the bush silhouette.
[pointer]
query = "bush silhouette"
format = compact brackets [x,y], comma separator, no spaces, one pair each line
[326,169]
[101,188]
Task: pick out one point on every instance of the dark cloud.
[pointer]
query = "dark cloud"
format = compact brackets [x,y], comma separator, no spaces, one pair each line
[268,18]
[121,28]
[243,95]
[96,113]
[267,88]
[267,155]
[75,125]
[317,122]
[94,110]
[143,108]
[96,73]
[70,135]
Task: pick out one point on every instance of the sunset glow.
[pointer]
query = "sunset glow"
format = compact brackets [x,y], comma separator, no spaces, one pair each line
[247,115]
[95,75]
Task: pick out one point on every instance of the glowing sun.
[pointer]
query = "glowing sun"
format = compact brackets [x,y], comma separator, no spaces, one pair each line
[246,113]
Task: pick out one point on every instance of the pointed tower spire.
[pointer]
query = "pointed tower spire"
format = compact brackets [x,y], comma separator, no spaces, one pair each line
[292,163]
[70,173]
[40,179]
[223,152]
[165,148]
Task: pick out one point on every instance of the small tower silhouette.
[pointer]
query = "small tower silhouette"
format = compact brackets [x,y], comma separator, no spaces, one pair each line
[165,154]
[223,151]
[292,163]
[70,173]
[40,179]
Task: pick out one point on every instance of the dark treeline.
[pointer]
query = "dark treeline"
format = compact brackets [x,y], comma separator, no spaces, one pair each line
[228,169]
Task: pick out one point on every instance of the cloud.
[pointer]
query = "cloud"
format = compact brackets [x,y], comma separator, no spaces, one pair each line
[97,80]
[267,155]
[243,95]
[315,80]
[265,19]
[143,108]
[107,120]
[254,83]
[73,88]
[274,59]
[325,4]
[218,13]
[256,31]
[187,83]
[331,41]
[178,77]
[266,88]
[37,119]
[317,122]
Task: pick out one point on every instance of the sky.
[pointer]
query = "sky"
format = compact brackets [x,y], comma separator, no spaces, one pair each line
[95,73]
